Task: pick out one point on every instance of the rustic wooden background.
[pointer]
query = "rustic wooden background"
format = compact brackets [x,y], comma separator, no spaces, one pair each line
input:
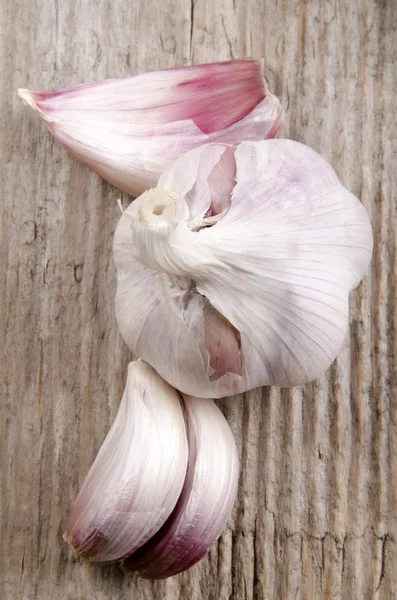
[316,515]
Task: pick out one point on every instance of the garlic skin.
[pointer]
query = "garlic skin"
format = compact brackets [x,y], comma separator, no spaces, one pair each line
[207,498]
[129,130]
[138,475]
[242,279]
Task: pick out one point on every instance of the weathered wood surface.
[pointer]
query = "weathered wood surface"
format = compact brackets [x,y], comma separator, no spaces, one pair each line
[316,515]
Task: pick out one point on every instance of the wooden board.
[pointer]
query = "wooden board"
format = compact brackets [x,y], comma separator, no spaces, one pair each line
[316,515]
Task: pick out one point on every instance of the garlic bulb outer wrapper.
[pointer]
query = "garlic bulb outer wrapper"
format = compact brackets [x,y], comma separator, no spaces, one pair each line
[247,283]
[128,130]
[207,498]
[138,475]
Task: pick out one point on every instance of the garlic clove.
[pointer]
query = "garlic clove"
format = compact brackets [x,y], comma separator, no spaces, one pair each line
[128,130]
[206,501]
[138,475]
[222,342]
[278,266]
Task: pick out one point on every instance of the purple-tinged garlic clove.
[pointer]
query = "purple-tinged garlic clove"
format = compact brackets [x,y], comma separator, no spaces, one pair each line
[138,475]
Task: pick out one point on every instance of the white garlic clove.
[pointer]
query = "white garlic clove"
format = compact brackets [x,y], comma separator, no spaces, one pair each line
[138,475]
[128,130]
[206,501]
[277,265]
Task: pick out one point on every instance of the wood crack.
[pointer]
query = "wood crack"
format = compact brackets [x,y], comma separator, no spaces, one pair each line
[192,7]
[385,539]
[229,43]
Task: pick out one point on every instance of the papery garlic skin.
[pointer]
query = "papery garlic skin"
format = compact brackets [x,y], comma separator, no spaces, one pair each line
[248,285]
[129,130]
[138,475]
[206,501]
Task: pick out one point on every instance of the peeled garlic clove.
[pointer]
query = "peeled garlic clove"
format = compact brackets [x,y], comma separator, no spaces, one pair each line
[138,475]
[206,501]
[129,130]
[276,264]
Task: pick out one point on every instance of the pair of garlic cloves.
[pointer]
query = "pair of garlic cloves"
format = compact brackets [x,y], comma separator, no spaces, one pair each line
[163,484]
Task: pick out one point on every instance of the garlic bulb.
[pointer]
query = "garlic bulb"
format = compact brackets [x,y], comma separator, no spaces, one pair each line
[137,477]
[234,272]
[206,500]
[163,484]
[129,130]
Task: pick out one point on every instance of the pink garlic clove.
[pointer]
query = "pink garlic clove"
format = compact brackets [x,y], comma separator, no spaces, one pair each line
[129,130]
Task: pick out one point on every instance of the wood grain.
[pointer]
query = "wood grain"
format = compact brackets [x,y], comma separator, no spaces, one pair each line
[316,515]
